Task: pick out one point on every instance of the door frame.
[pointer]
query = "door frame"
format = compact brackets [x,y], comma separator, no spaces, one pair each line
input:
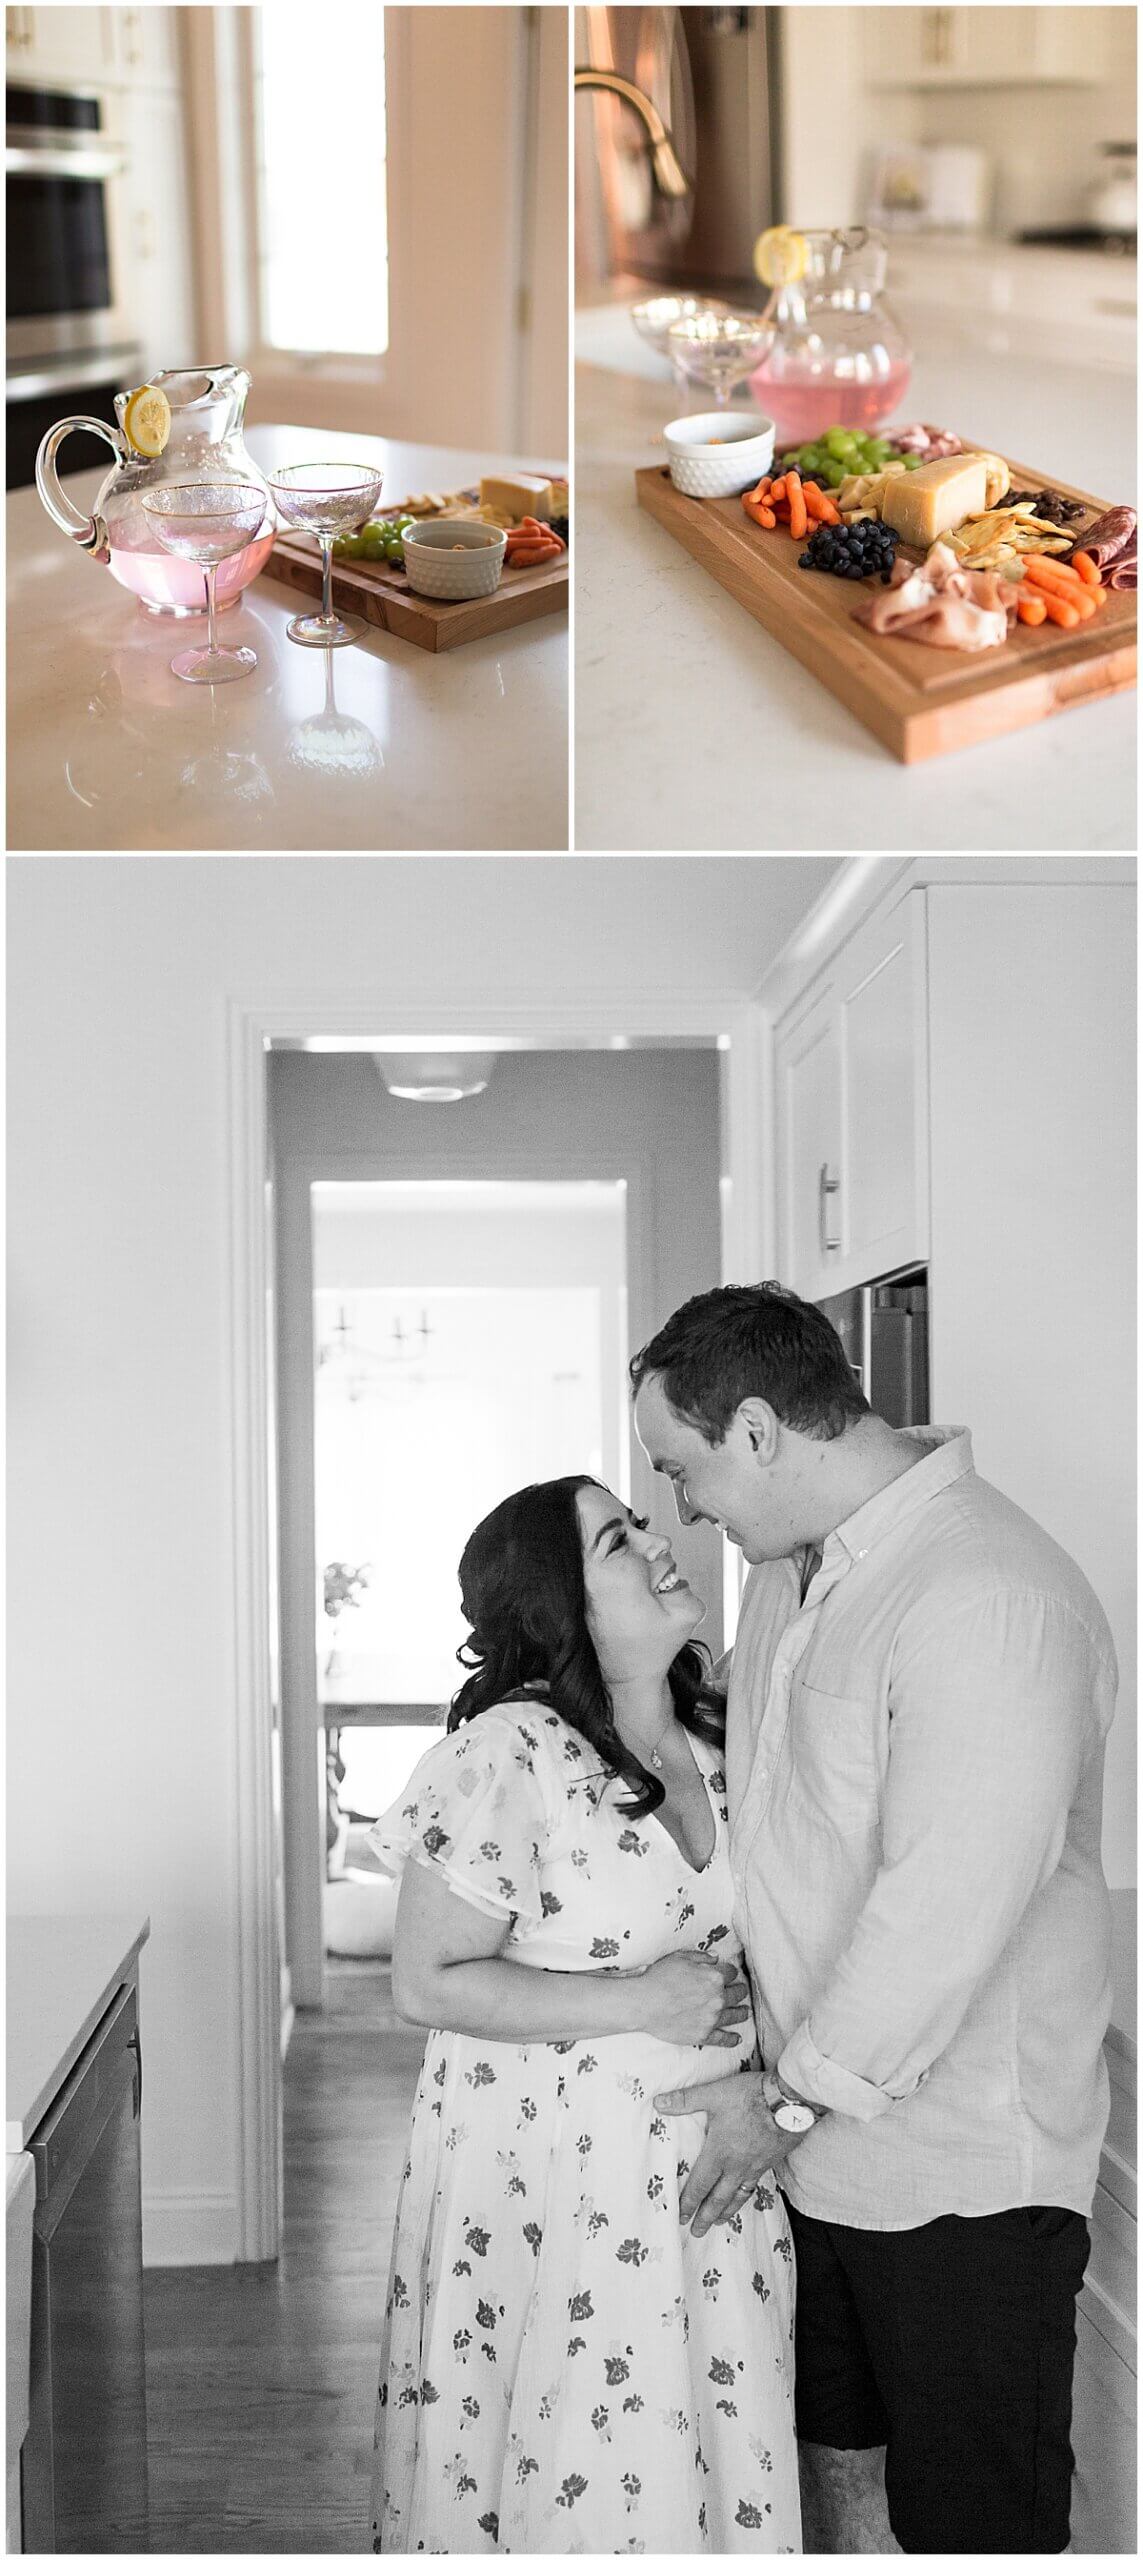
[741,1030]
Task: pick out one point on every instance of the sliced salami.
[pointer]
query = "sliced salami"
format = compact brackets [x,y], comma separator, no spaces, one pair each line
[1114,534]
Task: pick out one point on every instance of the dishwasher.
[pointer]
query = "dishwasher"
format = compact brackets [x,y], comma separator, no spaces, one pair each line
[85,2454]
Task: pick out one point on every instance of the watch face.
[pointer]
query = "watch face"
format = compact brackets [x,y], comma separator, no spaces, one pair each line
[793,2119]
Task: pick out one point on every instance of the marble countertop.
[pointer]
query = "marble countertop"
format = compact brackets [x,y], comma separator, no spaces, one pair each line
[695,732]
[377,747]
[61,1974]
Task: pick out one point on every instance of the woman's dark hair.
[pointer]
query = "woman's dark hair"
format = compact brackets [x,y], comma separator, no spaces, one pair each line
[761,1341]
[522,1588]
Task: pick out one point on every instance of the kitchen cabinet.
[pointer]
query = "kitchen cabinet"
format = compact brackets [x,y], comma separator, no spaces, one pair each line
[147,47]
[131,48]
[59,44]
[981,48]
[1004,295]
[158,282]
[75,2082]
[851,1077]
[1105,2388]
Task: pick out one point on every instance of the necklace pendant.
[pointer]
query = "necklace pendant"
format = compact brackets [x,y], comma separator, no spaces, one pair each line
[656,1760]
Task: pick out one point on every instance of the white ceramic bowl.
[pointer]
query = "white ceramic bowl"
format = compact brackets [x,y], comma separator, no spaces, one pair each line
[701,469]
[450,557]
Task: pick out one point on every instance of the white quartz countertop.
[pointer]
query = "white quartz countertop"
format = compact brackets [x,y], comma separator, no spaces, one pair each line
[695,732]
[377,747]
[61,1974]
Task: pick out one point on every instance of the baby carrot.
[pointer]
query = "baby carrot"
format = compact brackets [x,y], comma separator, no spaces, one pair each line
[798,518]
[1032,609]
[1052,574]
[778,488]
[818,504]
[1085,568]
[766,516]
[1059,611]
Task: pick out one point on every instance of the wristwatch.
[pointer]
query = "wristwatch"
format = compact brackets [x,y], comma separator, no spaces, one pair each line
[790,2114]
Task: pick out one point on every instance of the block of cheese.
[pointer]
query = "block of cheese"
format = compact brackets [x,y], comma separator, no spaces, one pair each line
[936,499]
[521,494]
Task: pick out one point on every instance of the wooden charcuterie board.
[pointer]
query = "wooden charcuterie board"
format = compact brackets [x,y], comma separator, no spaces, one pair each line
[917,700]
[381,594]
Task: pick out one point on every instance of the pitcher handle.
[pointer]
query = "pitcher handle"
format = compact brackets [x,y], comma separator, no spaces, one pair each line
[89,531]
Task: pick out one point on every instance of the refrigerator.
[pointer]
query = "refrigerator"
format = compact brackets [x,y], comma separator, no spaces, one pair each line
[713,76]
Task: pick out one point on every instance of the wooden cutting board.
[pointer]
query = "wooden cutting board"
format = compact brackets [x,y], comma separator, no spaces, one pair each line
[382,595]
[919,701]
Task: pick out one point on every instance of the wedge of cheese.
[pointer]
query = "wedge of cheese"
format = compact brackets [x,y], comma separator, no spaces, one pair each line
[934,500]
[521,495]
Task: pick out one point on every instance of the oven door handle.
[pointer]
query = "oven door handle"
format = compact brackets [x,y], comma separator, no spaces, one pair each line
[26,160]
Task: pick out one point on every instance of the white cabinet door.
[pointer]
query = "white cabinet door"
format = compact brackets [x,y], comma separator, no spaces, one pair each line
[980,48]
[59,44]
[158,290]
[808,1080]
[147,47]
[851,1079]
[882,1045]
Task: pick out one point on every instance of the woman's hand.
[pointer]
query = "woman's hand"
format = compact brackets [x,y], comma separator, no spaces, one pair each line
[692,1999]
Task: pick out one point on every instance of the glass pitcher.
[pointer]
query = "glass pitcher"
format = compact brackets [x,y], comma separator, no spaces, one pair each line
[837,357]
[205,443]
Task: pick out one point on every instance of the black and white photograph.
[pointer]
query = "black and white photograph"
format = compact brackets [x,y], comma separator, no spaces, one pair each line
[571,1931]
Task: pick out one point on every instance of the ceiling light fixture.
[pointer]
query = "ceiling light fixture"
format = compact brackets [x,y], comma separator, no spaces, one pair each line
[441,1076]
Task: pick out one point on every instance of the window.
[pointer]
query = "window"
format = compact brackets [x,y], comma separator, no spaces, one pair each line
[323,261]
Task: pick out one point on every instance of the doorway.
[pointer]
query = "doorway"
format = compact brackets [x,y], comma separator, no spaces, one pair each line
[469,1337]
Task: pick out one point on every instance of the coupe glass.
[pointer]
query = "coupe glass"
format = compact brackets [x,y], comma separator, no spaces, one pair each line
[326,499]
[207,521]
[719,348]
[652,319]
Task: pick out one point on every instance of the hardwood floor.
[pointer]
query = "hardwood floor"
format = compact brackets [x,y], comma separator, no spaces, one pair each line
[261,2380]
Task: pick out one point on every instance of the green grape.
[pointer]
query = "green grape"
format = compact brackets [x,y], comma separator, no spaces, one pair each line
[836,442]
[912,461]
[835,473]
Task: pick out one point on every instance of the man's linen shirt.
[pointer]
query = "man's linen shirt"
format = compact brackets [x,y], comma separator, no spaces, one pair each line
[915,1775]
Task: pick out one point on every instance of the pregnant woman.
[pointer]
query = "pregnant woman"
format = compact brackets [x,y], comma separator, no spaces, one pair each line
[567,2364]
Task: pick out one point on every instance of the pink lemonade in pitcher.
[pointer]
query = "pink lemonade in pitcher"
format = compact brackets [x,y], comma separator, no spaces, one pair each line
[165,583]
[802,404]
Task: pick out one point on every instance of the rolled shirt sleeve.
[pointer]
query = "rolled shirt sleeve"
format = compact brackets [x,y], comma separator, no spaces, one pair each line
[991,1721]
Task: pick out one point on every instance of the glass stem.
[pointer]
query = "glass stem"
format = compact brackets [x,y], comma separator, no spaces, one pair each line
[327,577]
[210,638]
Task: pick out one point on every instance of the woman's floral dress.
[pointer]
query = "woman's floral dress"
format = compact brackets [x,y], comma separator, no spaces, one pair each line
[565,2367]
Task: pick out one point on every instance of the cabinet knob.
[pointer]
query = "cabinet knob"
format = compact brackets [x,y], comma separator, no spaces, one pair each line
[828,1183]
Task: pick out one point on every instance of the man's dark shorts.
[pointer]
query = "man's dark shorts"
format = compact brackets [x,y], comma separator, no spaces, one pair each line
[952,2345]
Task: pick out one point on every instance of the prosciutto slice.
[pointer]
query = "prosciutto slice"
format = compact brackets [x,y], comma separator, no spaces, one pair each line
[941,603]
[933,443]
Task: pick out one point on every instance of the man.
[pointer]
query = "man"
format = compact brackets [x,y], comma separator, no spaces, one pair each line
[920,1693]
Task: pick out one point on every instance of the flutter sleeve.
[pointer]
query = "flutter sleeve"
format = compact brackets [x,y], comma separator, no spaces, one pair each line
[476,1810]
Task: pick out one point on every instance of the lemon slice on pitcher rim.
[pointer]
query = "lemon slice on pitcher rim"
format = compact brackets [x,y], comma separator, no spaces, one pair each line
[147,420]
[780,255]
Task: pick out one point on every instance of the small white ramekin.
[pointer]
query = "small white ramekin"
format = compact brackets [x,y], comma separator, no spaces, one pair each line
[451,557]
[702,469]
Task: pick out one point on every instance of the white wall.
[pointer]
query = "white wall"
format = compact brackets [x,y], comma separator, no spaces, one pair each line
[121,1601]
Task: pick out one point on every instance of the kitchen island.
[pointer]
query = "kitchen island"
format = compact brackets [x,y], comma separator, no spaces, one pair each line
[378,747]
[695,732]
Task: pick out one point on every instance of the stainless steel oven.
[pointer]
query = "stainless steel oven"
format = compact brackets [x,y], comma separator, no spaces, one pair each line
[885,1330]
[67,331]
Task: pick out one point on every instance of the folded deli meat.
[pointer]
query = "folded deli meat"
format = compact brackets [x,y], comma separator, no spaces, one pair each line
[940,602]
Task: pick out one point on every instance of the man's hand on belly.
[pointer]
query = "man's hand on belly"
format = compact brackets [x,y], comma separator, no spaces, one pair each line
[742,2143]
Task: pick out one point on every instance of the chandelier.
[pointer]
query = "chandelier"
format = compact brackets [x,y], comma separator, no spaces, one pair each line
[359,1369]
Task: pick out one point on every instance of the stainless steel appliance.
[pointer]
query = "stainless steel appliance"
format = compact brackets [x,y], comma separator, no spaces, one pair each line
[709,77]
[67,332]
[84,2468]
[885,1330]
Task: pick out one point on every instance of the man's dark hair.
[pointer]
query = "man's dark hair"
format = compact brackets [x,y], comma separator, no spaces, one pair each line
[761,1341]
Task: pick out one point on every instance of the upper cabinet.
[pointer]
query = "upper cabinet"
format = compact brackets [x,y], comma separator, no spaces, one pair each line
[852,1112]
[117,48]
[60,44]
[982,48]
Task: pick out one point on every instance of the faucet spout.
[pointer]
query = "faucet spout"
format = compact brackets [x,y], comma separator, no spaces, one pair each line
[669,177]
